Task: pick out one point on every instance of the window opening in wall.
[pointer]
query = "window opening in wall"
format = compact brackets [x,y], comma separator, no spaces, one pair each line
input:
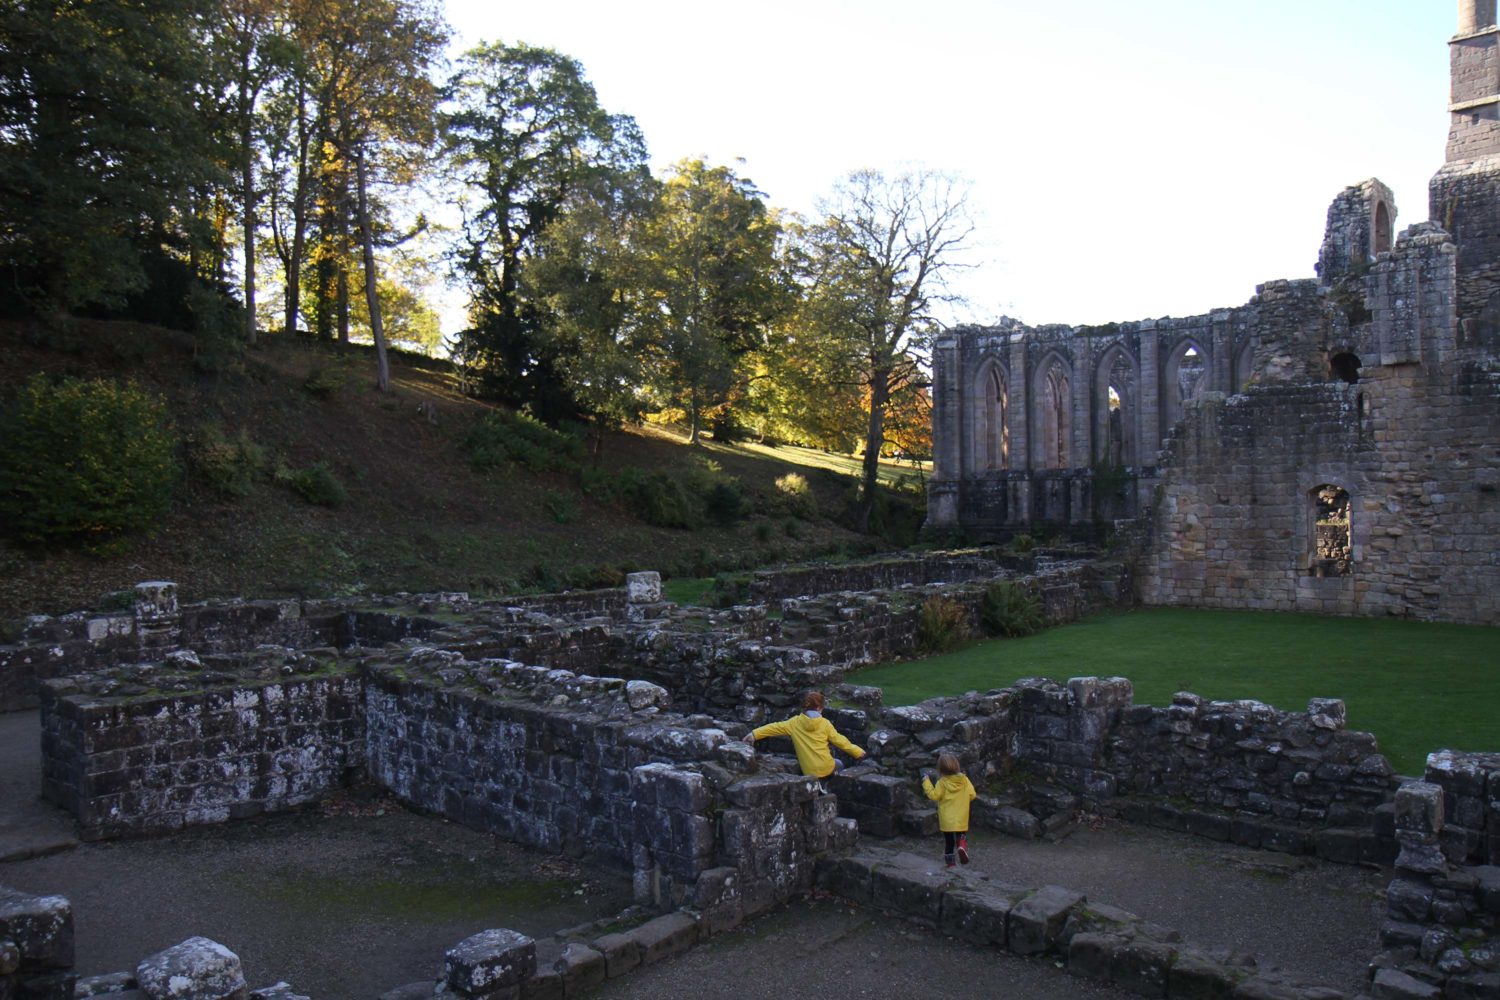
[1057,406]
[1114,448]
[996,423]
[1382,228]
[1189,373]
[1243,363]
[1344,366]
[1332,551]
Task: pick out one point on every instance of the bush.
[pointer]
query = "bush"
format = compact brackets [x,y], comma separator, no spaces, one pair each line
[940,624]
[317,485]
[323,383]
[797,496]
[725,504]
[84,462]
[1022,543]
[229,465]
[1010,610]
[656,498]
[502,436]
[559,506]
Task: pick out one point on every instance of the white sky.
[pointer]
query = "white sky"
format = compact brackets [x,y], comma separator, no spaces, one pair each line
[1127,160]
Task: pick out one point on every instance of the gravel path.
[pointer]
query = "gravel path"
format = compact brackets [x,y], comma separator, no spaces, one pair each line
[820,948]
[1318,921]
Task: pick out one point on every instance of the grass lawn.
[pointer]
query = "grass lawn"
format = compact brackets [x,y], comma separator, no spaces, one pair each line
[686,590]
[1418,687]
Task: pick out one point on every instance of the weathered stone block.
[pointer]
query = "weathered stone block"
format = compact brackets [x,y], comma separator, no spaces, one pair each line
[196,969]
[1197,977]
[41,927]
[45,986]
[974,916]
[1258,988]
[114,982]
[917,822]
[1393,984]
[1014,822]
[643,587]
[276,991]
[485,963]
[1474,986]
[912,891]
[665,936]
[1090,955]
[1036,922]
[1142,967]
[1408,900]
[621,953]
[581,967]
[851,877]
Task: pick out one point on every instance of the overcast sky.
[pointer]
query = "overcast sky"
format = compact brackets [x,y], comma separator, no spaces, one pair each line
[1127,160]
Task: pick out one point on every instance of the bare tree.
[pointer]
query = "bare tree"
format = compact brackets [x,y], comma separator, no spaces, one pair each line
[876,263]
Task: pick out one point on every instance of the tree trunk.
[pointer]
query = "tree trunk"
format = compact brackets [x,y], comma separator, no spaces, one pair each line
[880,394]
[341,302]
[247,179]
[372,296]
[299,218]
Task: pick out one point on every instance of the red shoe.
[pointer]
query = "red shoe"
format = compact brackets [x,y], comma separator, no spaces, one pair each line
[963,849]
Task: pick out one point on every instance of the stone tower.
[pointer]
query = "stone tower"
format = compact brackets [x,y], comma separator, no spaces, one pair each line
[1464,196]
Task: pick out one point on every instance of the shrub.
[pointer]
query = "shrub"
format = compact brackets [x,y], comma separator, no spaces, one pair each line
[763,531]
[724,503]
[323,383]
[940,624]
[797,496]
[1010,610]
[1022,543]
[317,485]
[656,498]
[502,436]
[560,507]
[229,465]
[84,462]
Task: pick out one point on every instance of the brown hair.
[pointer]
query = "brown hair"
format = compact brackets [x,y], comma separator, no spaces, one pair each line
[812,701]
[947,764]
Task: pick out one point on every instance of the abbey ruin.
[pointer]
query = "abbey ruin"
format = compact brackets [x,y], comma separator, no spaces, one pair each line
[1333,445]
[1330,446]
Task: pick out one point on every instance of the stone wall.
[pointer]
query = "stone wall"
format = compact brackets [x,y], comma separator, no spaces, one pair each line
[156,762]
[1232,771]
[878,574]
[1442,928]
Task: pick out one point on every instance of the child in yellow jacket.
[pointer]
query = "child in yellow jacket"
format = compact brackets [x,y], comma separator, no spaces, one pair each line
[810,734]
[952,792]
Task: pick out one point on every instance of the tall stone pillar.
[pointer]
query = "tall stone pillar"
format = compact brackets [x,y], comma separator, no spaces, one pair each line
[1020,434]
[947,436]
[1149,439]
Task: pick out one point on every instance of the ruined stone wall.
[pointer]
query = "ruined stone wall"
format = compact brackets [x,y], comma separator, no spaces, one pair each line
[880,574]
[553,778]
[1232,771]
[153,763]
[1412,447]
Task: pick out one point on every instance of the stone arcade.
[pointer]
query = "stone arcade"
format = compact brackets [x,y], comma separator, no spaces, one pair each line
[1331,446]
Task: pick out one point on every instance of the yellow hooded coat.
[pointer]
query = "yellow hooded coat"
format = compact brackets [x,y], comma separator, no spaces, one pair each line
[810,738]
[952,793]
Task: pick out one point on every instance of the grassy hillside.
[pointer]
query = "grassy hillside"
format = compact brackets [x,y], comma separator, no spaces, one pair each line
[418,516]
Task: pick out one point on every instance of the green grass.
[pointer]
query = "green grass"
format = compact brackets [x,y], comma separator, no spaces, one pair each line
[687,590]
[897,475]
[1417,686]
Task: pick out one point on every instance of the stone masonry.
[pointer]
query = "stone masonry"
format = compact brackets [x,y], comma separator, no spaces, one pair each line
[1377,382]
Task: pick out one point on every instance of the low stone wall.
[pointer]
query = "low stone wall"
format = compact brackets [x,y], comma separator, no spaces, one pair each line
[1231,771]
[1442,928]
[875,574]
[1091,940]
[154,762]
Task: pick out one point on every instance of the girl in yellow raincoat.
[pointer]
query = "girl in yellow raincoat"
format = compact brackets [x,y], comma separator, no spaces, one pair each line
[810,734]
[952,792]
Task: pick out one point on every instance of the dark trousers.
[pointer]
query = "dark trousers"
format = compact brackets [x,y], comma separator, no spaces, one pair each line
[950,840]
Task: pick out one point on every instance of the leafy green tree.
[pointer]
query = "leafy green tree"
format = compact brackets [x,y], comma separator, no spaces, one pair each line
[104,140]
[706,262]
[525,130]
[580,282]
[874,265]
